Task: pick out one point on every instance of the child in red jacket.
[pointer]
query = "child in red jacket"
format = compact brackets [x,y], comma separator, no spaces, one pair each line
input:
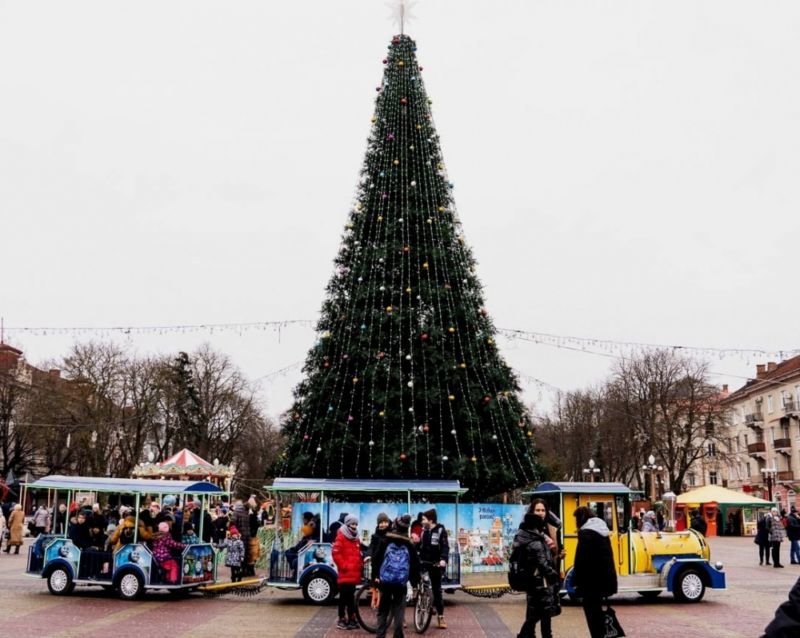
[350,566]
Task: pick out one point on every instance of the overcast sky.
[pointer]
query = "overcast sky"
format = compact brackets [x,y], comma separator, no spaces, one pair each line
[623,170]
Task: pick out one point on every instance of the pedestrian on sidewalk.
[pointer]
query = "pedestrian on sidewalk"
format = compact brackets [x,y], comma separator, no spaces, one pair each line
[435,551]
[762,539]
[394,564]
[594,575]
[543,579]
[786,623]
[346,554]
[793,534]
[776,535]
[16,526]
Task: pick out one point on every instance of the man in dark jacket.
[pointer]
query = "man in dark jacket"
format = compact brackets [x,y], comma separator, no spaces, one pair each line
[594,575]
[786,623]
[393,596]
[540,597]
[698,523]
[793,534]
[434,550]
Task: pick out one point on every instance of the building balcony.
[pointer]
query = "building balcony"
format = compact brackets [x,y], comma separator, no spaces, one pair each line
[755,420]
[782,444]
[786,475]
[790,407]
[757,449]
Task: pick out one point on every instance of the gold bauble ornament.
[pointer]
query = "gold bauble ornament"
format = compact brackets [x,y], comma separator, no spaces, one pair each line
[462,365]
[451,397]
[380,218]
[451,330]
[355,379]
[396,162]
[474,459]
[441,208]
[381,413]
[388,309]
[425,265]
[408,290]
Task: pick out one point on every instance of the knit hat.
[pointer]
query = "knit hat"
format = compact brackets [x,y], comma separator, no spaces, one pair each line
[430,515]
[383,517]
[402,523]
[351,518]
[163,526]
[233,531]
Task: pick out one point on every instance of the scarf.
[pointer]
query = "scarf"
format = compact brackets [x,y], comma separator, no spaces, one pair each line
[348,533]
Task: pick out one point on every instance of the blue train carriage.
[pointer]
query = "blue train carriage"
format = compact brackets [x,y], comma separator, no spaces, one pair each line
[647,562]
[312,570]
[130,570]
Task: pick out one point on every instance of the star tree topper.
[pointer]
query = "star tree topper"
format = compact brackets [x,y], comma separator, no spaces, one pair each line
[401,12]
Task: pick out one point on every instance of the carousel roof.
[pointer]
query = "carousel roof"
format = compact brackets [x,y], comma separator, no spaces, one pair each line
[187,458]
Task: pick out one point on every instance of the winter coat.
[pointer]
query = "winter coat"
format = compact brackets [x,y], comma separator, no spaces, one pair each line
[793,527]
[235,555]
[433,545]
[240,517]
[545,579]
[775,529]
[786,623]
[116,539]
[79,534]
[162,545]
[16,525]
[41,518]
[347,556]
[699,524]
[594,573]
[380,552]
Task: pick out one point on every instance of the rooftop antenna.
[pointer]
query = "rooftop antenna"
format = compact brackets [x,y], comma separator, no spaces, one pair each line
[401,12]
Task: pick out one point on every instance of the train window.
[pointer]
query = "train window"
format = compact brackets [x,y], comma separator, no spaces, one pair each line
[604,510]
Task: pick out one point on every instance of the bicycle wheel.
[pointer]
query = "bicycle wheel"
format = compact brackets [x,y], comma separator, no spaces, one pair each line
[423,610]
[367,616]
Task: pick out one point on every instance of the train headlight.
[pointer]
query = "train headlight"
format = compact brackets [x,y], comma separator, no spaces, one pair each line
[718,565]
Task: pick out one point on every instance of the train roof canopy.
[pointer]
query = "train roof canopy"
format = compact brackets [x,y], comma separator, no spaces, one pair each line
[578,487]
[124,485]
[365,485]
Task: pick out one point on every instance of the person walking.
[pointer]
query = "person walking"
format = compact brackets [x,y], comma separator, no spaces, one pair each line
[16,525]
[394,564]
[698,523]
[541,601]
[776,533]
[594,575]
[236,553]
[346,554]
[793,534]
[434,550]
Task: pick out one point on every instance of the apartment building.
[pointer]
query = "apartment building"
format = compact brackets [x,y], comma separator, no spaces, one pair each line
[764,448]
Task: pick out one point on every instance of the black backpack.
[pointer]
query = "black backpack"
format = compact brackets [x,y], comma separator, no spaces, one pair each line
[520,574]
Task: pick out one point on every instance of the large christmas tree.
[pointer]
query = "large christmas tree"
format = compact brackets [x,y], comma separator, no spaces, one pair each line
[405,380]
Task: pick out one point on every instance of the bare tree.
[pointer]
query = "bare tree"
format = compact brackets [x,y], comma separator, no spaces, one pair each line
[671,408]
[17,449]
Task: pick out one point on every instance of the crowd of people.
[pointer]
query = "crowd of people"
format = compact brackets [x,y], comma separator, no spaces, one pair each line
[167,526]
[398,553]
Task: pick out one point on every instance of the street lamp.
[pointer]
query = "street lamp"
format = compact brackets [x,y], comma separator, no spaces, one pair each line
[592,471]
[769,477]
[651,467]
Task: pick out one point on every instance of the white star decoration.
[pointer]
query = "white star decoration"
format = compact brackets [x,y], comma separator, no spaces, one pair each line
[402,12]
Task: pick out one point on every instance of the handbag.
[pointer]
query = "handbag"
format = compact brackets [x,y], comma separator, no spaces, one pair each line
[612,627]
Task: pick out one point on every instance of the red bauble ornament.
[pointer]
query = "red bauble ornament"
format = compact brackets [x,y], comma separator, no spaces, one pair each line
[424,336]
[385,61]
[403,100]
[487,399]
[306,437]
[425,427]
[403,456]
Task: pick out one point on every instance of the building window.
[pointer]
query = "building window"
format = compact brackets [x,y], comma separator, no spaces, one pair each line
[769,404]
[745,440]
[690,478]
[712,450]
[712,478]
[748,470]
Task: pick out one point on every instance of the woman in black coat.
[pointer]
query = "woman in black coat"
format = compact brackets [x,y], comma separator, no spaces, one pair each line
[594,575]
[541,598]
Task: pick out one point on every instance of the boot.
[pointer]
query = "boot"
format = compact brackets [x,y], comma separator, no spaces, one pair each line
[442,623]
[7,549]
[16,551]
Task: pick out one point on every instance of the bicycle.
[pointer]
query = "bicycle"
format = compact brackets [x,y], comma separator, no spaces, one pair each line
[421,599]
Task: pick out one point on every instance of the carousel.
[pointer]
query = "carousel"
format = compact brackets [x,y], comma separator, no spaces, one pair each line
[187,466]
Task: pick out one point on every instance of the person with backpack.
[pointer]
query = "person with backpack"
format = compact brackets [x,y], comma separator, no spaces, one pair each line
[532,570]
[395,563]
[594,575]
[793,534]
[434,550]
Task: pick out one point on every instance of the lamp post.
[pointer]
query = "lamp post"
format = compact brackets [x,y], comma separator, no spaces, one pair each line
[769,477]
[592,471]
[651,467]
